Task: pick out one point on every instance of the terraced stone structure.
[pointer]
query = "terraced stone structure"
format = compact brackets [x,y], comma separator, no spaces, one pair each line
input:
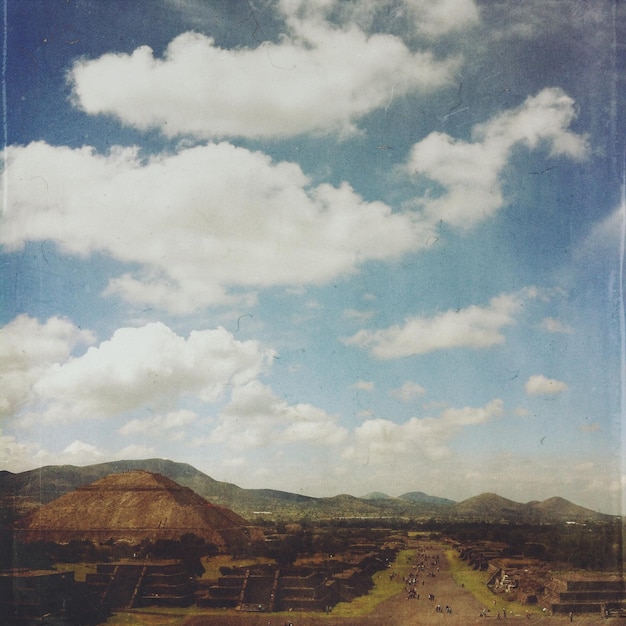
[605,597]
[46,596]
[29,594]
[145,583]
[273,588]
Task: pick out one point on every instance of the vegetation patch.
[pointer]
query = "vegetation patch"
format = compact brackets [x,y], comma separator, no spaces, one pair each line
[213,565]
[475,581]
[383,589]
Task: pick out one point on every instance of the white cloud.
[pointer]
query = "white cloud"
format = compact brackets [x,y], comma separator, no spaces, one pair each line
[82,452]
[22,456]
[408,391]
[145,366]
[552,325]
[363,385]
[359,316]
[235,463]
[606,236]
[540,385]
[256,417]
[160,426]
[206,225]
[316,78]
[438,17]
[426,17]
[17,455]
[27,348]
[135,451]
[469,173]
[472,327]
[376,441]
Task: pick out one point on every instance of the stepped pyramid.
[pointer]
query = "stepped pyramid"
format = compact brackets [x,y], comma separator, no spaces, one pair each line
[132,506]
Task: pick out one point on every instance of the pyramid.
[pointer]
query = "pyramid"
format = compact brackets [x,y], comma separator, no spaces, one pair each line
[132,506]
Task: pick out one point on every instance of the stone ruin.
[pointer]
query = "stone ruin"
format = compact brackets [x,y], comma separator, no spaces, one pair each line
[605,597]
[34,596]
[27,595]
[274,588]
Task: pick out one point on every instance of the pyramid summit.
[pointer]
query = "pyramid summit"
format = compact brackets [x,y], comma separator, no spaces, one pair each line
[132,506]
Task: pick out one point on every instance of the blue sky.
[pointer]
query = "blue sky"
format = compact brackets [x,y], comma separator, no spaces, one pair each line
[325,247]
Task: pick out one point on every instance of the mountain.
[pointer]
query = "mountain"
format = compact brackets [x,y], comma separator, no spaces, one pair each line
[424,498]
[129,507]
[558,507]
[21,493]
[495,508]
[488,506]
[375,495]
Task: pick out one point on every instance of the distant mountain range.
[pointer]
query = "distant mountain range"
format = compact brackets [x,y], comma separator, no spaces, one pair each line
[22,492]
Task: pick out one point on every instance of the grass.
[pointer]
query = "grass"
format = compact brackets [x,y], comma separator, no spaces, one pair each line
[212,564]
[80,569]
[383,590]
[475,582]
[146,618]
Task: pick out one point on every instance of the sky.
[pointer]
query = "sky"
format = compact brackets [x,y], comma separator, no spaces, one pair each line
[320,246]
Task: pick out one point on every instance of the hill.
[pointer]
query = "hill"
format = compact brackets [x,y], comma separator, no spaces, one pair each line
[495,508]
[24,492]
[488,506]
[424,498]
[375,495]
[558,507]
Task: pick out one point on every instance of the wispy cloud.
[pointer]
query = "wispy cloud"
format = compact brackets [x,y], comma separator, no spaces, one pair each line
[171,425]
[408,391]
[364,385]
[428,18]
[376,441]
[472,327]
[468,173]
[540,385]
[553,325]
[358,316]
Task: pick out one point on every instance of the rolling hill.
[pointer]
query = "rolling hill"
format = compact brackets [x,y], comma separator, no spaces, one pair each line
[424,498]
[376,495]
[23,492]
[495,508]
